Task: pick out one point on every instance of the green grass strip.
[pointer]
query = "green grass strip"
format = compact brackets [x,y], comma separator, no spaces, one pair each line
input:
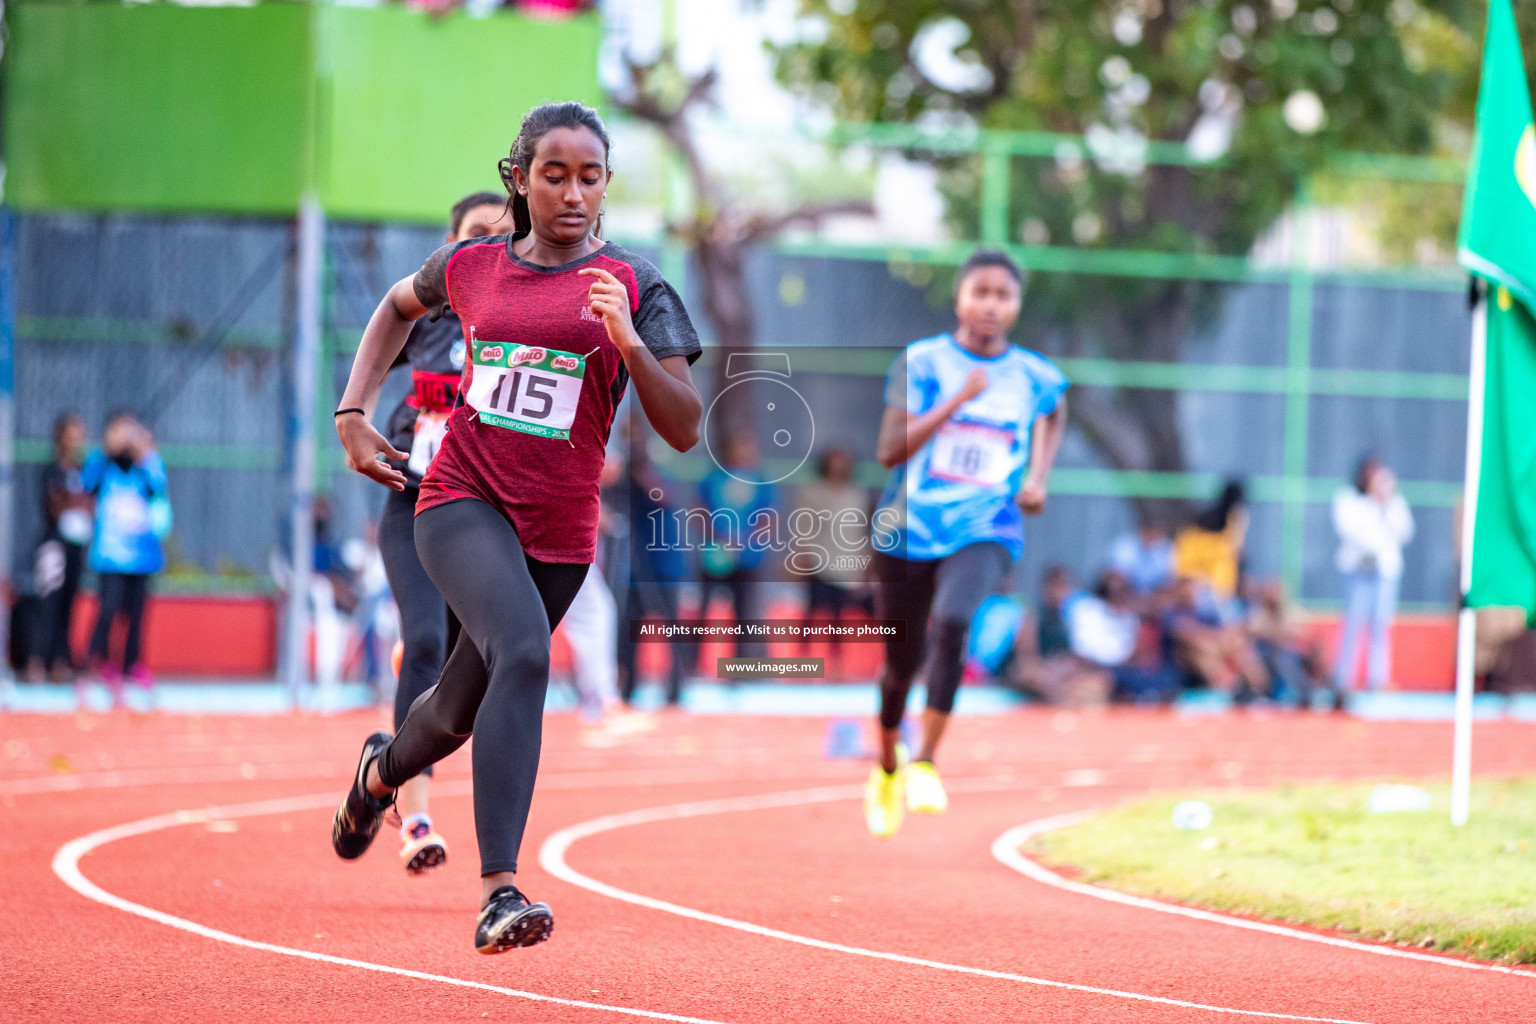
[1315,855]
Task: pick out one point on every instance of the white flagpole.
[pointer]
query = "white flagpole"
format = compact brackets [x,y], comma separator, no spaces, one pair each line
[1466,624]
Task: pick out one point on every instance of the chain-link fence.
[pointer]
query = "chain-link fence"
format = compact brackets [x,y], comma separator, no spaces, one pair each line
[1284,379]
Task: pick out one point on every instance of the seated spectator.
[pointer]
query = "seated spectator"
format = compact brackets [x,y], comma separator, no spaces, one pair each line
[1293,656]
[1102,627]
[1199,642]
[1144,557]
[1056,589]
[1210,549]
[1109,635]
[1043,665]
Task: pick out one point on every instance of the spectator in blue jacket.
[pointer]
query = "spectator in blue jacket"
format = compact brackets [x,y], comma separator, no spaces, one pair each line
[730,559]
[656,568]
[133,514]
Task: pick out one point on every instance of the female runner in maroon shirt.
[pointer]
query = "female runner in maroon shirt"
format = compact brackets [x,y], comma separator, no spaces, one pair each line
[436,353]
[556,322]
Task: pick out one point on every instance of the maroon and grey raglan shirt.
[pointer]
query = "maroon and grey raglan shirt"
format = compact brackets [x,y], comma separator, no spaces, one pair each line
[541,384]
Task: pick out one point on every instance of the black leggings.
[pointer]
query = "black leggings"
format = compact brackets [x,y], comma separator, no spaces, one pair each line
[427,628]
[52,643]
[123,593]
[493,683]
[952,588]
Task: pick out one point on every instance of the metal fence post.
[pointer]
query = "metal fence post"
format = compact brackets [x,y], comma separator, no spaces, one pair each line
[306,370]
[1298,398]
[996,167]
[7,419]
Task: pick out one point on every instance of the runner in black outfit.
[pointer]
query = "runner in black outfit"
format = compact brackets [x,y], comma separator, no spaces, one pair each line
[558,323]
[435,353]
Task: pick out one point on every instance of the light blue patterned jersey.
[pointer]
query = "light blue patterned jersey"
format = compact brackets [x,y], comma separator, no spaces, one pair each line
[959,487]
[132,513]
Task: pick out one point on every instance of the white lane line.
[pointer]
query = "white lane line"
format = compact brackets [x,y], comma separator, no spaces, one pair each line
[186,774]
[552,858]
[1006,849]
[66,864]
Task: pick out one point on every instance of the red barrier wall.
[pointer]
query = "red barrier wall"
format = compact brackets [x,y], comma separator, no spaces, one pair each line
[1423,650]
[226,636]
[202,635]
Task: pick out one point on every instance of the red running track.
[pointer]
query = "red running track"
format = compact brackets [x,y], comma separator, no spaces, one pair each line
[786,913]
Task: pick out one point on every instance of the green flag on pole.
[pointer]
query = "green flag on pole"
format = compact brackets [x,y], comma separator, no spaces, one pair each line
[1498,216]
[1504,552]
[1498,242]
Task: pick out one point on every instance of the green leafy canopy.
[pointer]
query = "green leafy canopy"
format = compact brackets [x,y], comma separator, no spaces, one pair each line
[1216,74]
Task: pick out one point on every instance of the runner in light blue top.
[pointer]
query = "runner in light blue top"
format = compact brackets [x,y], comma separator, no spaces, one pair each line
[959,486]
[970,429]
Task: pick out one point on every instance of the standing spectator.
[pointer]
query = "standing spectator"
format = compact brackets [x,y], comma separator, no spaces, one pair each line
[733,500]
[67,510]
[836,501]
[590,630]
[133,515]
[333,598]
[1144,558]
[655,571]
[590,624]
[375,622]
[1210,550]
[1373,523]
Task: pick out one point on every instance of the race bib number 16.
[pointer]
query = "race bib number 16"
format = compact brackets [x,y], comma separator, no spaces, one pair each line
[972,453]
[523,387]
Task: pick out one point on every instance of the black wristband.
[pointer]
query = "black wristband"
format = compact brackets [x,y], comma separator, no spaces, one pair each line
[343,412]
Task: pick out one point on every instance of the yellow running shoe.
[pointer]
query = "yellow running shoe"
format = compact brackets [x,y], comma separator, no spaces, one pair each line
[883,804]
[925,791]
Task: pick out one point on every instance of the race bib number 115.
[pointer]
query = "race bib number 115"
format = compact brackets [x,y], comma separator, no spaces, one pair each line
[524,387]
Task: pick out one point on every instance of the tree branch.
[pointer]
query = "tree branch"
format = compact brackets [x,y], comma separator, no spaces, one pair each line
[762,226]
[644,105]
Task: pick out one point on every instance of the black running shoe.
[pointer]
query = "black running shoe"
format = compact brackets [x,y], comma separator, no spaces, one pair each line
[510,921]
[357,819]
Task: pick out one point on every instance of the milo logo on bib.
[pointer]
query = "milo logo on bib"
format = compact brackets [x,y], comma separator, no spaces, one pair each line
[525,387]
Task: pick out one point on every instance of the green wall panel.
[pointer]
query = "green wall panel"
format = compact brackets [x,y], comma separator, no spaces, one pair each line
[416,111]
[166,108]
[156,107]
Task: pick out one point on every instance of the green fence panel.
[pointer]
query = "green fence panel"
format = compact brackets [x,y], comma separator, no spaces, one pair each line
[156,107]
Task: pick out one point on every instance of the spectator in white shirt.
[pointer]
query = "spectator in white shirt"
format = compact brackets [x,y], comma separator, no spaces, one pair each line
[1101,626]
[1373,523]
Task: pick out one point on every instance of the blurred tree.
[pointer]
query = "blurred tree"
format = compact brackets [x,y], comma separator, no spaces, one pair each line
[1415,222]
[721,228]
[1261,91]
